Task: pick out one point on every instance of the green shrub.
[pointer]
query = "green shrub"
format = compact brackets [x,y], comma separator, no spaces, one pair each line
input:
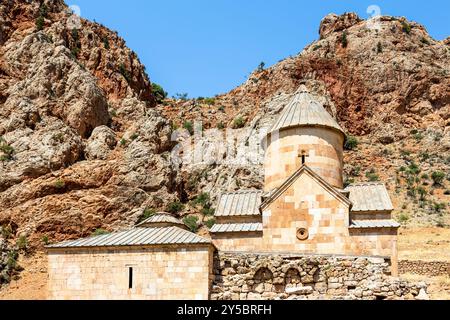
[210,223]
[351,143]
[146,214]
[6,232]
[406,27]
[344,40]
[124,72]
[210,101]
[425,41]
[188,125]
[22,243]
[413,169]
[181,96]
[192,223]
[379,47]
[220,126]
[100,232]
[202,199]
[438,177]
[60,184]
[356,171]
[106,43]
[6,150]
[158,92]
[11,261]
[372,176]
[175,207]
[134,136]
[261,67]
[123,142]
[403,217]
[422,193]
[239,123]
[222,109]
[40,21]
[348,181]
[438,207]
[207,211]
[45,240]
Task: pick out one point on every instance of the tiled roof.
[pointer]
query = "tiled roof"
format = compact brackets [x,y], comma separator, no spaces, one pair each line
[137,237]
[368,224]
[237,227]
[242,203]
[369,197]
[304,110]
[160,219]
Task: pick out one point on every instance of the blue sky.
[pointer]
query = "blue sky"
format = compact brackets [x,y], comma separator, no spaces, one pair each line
[207,47]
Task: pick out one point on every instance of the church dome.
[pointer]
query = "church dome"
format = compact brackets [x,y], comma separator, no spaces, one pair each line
[304,110]
[304,134]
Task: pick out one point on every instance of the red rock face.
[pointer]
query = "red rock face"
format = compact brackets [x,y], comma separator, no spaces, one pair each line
[90,149]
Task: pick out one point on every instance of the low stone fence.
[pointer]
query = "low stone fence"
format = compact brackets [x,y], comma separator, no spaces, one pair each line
[424,268]
[248,276]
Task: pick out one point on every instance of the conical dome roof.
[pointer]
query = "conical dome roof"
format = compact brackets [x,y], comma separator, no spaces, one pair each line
[304,110]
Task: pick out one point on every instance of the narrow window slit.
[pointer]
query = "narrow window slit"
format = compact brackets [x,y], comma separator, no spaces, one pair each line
[130,278]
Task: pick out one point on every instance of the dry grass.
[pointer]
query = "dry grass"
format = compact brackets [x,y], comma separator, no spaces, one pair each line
[438,287]
[427,244]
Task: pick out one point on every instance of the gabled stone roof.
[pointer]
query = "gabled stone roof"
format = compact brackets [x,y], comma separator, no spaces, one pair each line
[304,110]
[369,196]
[237,227]
[373,224]
[278,192]
[136,237]
[241,203]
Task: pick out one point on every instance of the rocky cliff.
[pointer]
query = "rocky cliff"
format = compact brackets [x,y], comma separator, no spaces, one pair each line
[85,146]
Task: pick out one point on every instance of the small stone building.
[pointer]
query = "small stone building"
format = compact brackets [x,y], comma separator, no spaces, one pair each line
[304,207]
[158,260]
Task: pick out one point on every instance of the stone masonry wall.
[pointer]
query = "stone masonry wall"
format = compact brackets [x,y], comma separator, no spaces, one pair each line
[425,268]
[171,273]
[248,276]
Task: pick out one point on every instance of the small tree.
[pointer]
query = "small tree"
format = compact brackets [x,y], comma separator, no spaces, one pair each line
[100,232]
[175,207]
[22,243]
[40,21]
[344,40]
[351,143]
[239,123]
[379,47]
[261,67]
[406,27]
[148,213]
[192,223]
[158,92]
[189,127]
[438,177]
[209,223]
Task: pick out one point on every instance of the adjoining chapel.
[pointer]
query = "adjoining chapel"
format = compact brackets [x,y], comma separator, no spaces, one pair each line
[303,209]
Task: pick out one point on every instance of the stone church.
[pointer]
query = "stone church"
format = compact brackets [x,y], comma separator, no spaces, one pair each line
[303,209]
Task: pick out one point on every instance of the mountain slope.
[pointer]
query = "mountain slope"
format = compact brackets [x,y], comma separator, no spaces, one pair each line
[85,146]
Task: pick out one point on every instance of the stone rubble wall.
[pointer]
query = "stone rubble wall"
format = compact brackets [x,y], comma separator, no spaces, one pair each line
[248,276]
[425,268]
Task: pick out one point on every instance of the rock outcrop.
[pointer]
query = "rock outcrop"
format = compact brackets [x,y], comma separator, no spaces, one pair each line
[81,147]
